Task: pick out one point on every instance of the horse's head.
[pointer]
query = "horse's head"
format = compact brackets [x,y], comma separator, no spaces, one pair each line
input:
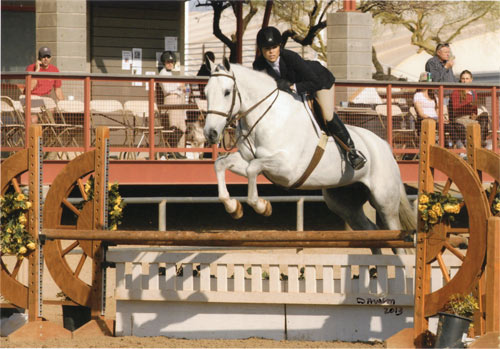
[222,102]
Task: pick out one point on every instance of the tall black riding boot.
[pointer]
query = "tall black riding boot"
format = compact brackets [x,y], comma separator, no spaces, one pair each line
[336,127]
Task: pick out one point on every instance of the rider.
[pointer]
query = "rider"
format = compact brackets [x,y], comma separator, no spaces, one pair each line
[293,73]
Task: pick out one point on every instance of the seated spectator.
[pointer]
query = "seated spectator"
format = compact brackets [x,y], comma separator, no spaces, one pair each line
[464,108]
[174,94]
[43,87]
[426,106]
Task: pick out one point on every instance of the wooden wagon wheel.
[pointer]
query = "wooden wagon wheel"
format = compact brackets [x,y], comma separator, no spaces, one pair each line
[57,208]
[13,290]
[483,160]
[438,239]
[65,275]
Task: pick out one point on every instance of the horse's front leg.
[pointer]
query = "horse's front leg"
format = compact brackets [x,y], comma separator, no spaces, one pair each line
[235,163]
[257,166]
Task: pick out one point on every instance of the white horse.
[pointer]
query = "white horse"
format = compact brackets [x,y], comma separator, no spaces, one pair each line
[276,137]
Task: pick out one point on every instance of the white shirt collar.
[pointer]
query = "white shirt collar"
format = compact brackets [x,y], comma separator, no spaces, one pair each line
[275,65]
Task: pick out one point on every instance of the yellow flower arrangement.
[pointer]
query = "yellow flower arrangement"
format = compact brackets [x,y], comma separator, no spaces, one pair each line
[115,202]
[436,208]
[15,239]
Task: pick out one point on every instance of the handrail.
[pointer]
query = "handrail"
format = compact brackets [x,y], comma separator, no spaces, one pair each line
[152,150]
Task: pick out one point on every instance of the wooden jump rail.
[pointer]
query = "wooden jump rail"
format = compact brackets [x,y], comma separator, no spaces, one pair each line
[251,238]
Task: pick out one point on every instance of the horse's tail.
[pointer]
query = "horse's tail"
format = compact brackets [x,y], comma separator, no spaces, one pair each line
[407,213]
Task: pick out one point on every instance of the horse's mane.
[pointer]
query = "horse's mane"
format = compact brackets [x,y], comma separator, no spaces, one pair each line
[257,75]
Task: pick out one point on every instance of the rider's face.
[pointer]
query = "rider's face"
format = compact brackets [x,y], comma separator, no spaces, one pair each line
[271,53]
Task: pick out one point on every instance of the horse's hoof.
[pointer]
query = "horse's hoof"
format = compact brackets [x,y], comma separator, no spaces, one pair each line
[269,209]
[238,213]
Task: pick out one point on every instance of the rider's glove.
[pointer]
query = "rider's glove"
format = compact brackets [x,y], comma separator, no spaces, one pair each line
[284,85]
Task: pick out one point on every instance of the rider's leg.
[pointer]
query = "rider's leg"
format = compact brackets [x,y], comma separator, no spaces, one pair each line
[335,126]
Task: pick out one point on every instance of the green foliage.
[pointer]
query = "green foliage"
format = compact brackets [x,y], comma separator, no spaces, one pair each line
[435,208]
[15,239]
[462,305]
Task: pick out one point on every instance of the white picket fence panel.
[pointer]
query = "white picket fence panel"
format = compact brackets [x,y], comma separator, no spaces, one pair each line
[149,281]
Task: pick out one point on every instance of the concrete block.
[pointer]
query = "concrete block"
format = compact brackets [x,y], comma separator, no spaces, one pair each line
[352,72]
[71,35]
[72,49]
[357,45]
[350,32]
[355,58]
[199,320]
[72,20]
[44,20]
[72,64]
[46,35]
[74,6]
[46,6]
[349,18]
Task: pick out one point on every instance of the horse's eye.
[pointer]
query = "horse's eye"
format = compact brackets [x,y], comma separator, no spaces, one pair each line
[227,93]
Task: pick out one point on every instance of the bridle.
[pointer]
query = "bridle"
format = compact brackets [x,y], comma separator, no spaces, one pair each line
[230,118]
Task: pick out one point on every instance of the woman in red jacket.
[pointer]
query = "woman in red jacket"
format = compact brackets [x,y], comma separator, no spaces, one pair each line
[463,107]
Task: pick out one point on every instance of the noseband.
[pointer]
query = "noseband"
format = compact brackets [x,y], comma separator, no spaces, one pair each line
[229,115]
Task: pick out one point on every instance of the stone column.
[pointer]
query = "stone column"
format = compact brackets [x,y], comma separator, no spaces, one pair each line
[349,48]
[61,25]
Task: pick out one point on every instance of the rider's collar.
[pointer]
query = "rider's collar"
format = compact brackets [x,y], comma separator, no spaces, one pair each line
[275,65]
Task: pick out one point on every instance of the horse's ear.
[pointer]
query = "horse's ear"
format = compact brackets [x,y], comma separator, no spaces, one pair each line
[210,64]
[225,61]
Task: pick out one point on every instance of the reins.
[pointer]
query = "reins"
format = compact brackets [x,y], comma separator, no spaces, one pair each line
[230,118]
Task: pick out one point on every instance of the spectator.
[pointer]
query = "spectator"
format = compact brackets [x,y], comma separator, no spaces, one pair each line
[441,65]
[43,87]
[174,94]
[464,108]
[425,103]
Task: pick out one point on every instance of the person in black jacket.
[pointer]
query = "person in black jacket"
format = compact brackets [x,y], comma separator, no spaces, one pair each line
[294,74]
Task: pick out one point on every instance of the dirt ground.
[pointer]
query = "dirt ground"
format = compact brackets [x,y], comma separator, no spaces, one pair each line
[165,342]
[53,313]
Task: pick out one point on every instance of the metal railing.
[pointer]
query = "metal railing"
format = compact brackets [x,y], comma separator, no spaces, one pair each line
[163,201]
[385,108]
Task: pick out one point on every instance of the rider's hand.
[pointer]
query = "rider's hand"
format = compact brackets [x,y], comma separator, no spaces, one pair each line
[284,85]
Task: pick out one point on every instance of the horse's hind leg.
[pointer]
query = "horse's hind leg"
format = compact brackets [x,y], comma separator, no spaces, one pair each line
[386,201]
[347,202]
[235,163]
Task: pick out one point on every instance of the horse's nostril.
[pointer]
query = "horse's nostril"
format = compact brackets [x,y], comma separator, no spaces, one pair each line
[213,136]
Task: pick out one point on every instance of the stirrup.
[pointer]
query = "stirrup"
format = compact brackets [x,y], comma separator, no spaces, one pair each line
[356,159]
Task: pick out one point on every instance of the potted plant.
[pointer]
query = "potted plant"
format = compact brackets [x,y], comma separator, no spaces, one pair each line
[455,320]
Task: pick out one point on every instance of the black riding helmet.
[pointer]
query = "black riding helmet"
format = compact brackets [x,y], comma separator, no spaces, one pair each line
[167,56]
[268,37]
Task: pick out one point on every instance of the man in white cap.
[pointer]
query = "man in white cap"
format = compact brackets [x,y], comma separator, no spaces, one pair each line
[43,87]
